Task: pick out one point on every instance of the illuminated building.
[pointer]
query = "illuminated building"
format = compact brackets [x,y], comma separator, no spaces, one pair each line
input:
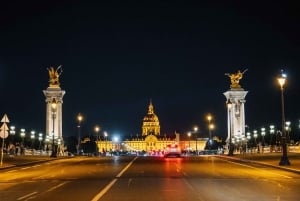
[150,123]
[150,141]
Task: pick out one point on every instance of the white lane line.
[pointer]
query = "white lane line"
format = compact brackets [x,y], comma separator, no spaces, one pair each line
[24,168]
[11,171]
[129,164]
[103,191]
[26,196]
[57,186]
[107,187]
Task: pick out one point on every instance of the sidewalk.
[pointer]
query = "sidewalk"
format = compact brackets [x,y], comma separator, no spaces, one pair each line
[12,161]
[270,159]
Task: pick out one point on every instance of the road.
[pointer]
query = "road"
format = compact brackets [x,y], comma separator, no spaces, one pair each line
[205,178]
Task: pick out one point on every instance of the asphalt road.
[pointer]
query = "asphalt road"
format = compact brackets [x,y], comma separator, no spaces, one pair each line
[205,178]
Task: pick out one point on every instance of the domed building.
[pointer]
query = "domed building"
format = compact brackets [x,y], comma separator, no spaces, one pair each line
[150,124]
[150,140]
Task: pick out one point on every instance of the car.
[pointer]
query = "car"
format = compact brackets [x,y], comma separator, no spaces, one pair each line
[172,150]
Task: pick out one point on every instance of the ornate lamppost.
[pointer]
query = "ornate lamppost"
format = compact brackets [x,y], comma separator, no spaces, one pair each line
[22,134]
[255,140]
[53,107]
[12,132]
[40,140]
[196,131]
[97,130]
[189,135]
[209,118]
[284,159]
[105,135]
[288,130]
[79,118]
[32,137]
[230,146]
[263,133]
[272,131]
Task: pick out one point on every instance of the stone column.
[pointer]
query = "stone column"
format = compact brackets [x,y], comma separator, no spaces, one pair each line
[54,93]
[236,114]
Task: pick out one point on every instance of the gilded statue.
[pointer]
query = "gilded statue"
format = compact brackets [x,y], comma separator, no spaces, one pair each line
[235,78]
[54,76]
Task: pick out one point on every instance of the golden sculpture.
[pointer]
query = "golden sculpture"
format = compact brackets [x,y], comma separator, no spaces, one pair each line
[54,76]
[235,78]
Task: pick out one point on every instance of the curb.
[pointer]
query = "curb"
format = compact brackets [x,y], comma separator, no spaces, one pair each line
[261,163]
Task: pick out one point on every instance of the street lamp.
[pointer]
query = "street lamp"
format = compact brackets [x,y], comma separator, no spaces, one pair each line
[284,159]
[195,131]
[22,134]
[47,140]
[231,147]
[263,133]
[53,107]
[189,135]
[255,137]
[272,131]
[12,132]
[40,140]
[105,135]
[79,118]
[32,136]
[288,129]
[209,118]
[97,129]
[248,136]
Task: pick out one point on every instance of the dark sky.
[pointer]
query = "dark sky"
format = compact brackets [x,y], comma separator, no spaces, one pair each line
[117,56]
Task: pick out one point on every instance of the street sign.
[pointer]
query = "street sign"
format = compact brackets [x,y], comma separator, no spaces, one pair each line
[5,119]
[4,131]
[3,134]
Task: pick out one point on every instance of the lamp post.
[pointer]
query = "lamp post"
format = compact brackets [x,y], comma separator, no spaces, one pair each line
[272,131]
[79,118]
[196,130]
[32,136]
[248,136]
[263,133]
[255,141]
[53,107]
[97,129]
[47,140]
[22,134]
[284,159]
[209,118]
[12,132]
[288,129]
[40,140]
[189,135]
[105,136]
[231,147]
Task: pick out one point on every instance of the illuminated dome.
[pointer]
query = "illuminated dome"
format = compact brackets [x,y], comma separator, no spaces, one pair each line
[150,123]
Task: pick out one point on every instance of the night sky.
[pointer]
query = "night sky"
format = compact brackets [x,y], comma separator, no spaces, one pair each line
[117,56]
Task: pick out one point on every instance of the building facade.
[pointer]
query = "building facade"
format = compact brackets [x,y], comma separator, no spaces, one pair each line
[151,141]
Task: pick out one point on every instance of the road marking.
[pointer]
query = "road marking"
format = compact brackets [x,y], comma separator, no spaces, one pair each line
[57,186]
[24,168]
[11,171]
[26,196]
[107,187]
[129,164]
